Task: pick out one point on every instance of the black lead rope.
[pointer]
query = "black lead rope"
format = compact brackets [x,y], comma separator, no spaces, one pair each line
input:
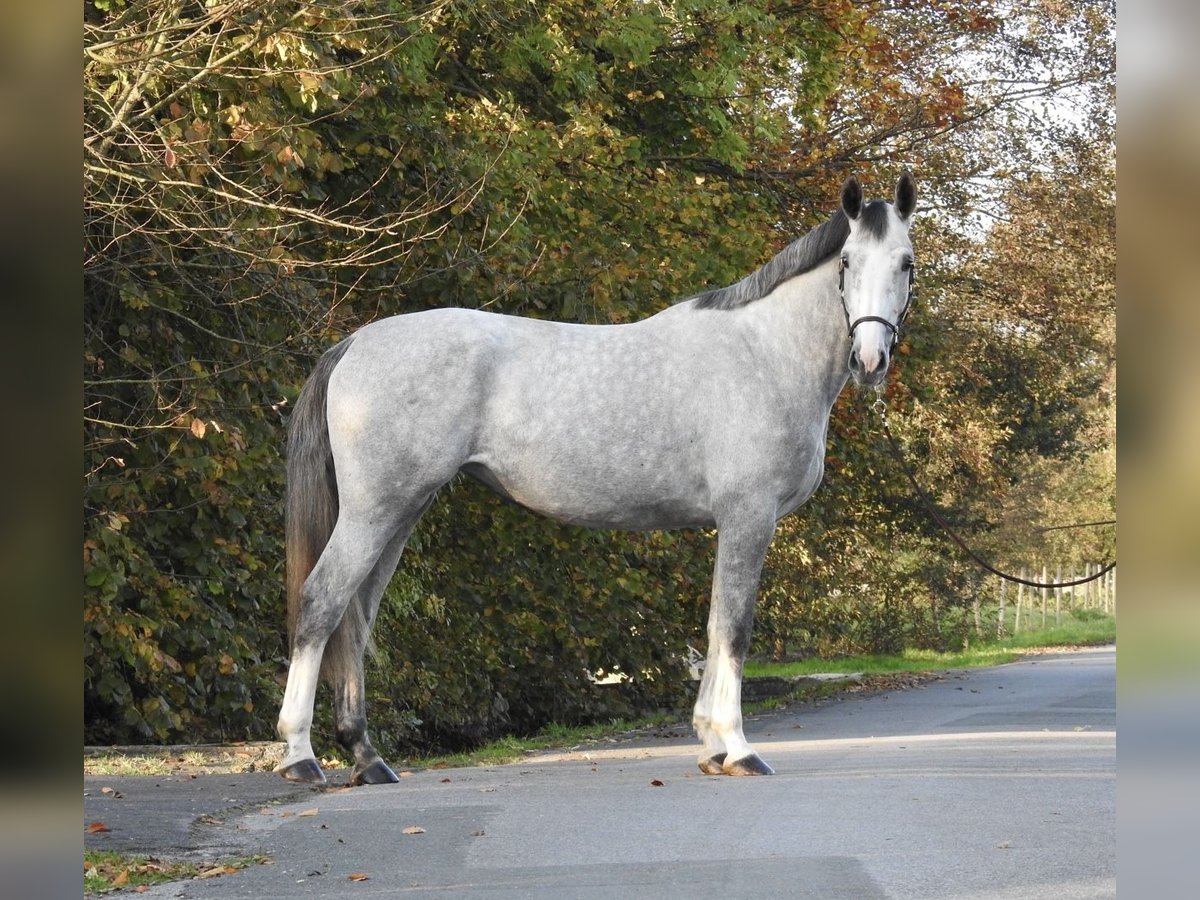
[880,407]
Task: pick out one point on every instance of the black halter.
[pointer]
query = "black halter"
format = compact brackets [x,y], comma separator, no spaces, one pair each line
[894,328]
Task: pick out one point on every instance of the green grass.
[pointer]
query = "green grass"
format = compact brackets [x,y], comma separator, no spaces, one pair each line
[106,870]
[1081,628]
[552,737]
[216,759]
[115,765]
[908,661]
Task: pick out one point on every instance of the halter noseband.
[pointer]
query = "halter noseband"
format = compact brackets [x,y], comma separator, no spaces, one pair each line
[894,328]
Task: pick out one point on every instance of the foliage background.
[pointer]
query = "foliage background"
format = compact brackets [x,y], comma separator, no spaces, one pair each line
[262,178]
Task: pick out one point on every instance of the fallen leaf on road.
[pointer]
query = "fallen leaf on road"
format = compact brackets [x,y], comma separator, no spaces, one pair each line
[97,826]
[217,870]
[406,774]
[310,812]
[656,783]
[445,781]
[116,795]
[358,876]
[121,879]
[413,829]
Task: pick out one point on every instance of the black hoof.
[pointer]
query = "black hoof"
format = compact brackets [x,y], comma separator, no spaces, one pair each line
[713,765]
[306,770]
[376,773]
[748,765]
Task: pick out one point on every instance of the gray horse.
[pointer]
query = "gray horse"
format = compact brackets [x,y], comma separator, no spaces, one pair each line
[711,413]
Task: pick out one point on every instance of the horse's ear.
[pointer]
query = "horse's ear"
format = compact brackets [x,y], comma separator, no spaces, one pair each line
[906,195]
[852,198]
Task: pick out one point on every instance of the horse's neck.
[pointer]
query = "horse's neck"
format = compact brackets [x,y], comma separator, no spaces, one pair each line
[804,319]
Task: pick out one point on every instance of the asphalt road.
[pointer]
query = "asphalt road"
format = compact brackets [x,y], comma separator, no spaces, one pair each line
[985,783]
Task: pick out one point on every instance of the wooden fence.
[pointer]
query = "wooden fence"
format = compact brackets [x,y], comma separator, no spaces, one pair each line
[1020,606]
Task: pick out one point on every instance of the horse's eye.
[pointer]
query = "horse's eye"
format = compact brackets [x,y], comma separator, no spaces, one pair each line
[845,261]
[906,265]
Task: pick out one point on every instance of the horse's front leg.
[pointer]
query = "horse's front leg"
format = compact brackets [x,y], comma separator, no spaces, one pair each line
[741,547]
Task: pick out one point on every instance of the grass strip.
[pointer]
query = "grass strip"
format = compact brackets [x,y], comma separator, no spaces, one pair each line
[105,871]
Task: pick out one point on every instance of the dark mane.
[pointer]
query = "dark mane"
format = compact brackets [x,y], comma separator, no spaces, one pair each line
[798,257]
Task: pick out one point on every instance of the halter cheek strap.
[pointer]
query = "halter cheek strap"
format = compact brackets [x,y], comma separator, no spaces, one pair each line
[894,328]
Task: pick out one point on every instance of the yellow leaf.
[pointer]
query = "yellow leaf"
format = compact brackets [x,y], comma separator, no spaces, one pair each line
[198,427]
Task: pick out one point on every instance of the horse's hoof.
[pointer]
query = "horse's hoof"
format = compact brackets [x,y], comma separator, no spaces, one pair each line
[748,765]
[713,765]
[377,772]
[306,770]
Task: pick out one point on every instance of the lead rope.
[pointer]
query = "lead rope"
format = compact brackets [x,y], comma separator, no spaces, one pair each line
[879,407]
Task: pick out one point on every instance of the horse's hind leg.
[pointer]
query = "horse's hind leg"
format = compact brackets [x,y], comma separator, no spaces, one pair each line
[344,667]
[352,554]
[741,547]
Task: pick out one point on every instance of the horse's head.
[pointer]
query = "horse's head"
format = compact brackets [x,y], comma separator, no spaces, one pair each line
[875,275]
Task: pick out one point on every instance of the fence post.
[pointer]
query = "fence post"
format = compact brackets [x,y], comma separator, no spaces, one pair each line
[1000,614]
[1044,592]
[1020,600]
[1058,596]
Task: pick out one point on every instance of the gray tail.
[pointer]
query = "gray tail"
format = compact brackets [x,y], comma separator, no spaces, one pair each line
[312,499]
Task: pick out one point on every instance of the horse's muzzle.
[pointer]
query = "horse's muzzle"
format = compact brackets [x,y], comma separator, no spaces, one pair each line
[868,371]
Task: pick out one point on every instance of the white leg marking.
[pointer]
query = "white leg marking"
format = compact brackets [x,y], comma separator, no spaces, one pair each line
[702,717]
[726,715]
[296,713]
